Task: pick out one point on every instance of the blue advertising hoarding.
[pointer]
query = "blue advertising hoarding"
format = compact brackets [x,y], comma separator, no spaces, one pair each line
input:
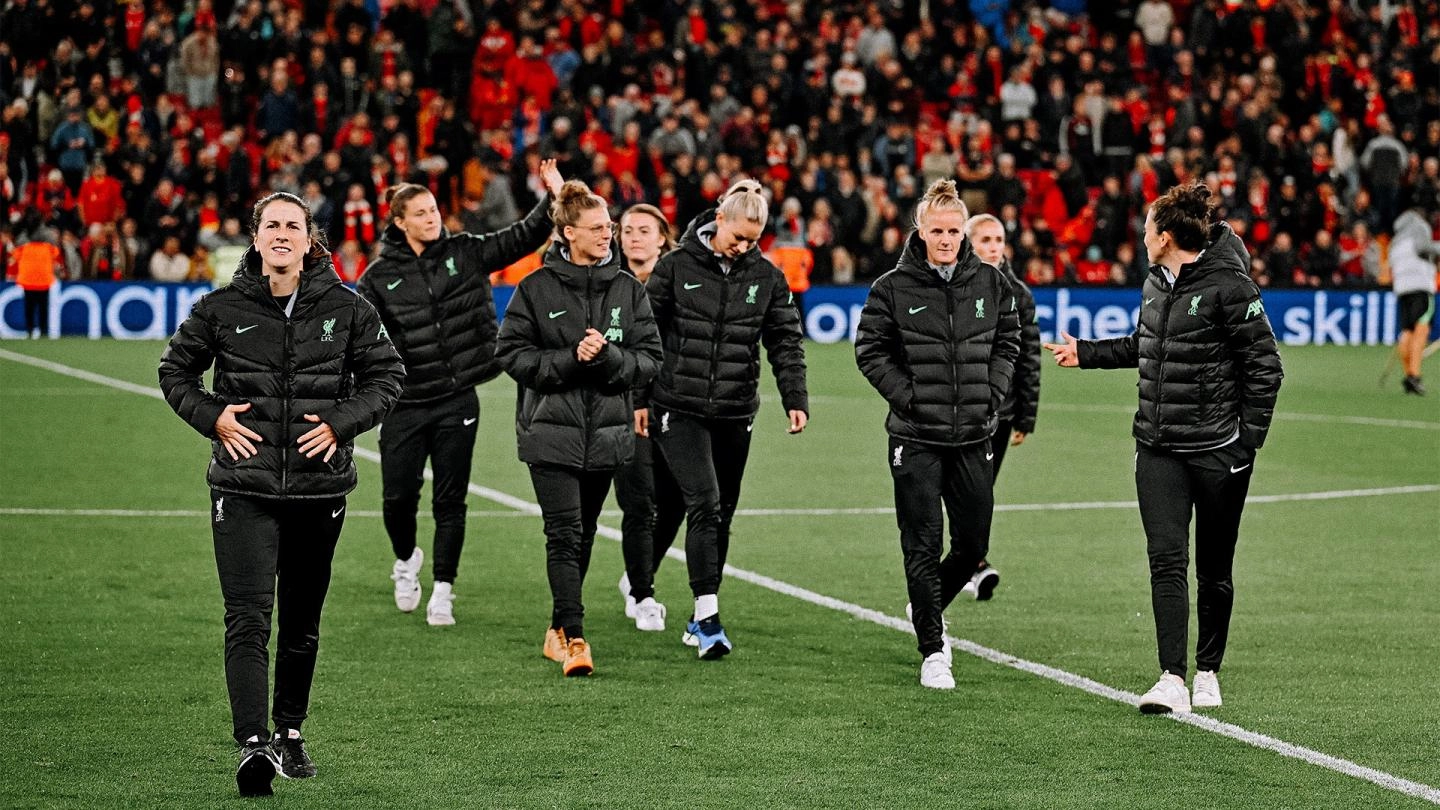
[140,310]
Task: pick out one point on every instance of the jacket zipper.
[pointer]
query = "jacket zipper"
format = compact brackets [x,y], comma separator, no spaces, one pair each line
[954,366]
[1160,352]
[585,390]
[719,331]
[435,316]
[285,363]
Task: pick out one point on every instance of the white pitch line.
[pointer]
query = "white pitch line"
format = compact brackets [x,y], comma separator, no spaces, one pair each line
[1234,732]
[199,513]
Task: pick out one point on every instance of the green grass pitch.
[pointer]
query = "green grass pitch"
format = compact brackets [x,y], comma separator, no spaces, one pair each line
[112,662]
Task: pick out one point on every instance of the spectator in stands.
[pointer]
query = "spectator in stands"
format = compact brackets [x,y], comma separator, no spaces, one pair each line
[101,200]
[169,263]
[200,65]
[73,143]
[1384,162]
[1322,261]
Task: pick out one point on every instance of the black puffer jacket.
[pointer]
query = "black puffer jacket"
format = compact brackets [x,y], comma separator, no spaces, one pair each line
[569,413]
[1207,357]
[712,324]
[1024,400]
[942,354]
[331,357]
[438,305]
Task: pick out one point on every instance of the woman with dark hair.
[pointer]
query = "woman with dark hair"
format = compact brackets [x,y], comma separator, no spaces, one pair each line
[302,366]
[1209,376]
[644,237]
[574,420]
[717,299]
[432,290]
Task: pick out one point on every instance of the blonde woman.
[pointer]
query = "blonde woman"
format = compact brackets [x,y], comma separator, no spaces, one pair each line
[938,338]
[717,300]
[578,337]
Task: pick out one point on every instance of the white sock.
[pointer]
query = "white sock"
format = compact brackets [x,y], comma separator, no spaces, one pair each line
[706,605]
[441,590]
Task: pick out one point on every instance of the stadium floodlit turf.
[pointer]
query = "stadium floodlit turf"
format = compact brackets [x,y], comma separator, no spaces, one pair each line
[112,660]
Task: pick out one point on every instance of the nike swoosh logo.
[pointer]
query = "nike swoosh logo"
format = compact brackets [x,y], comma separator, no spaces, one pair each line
[693,286]
[555,315]
[1239,469]
[240,330]
[916,310]
[396,283]
[469,422]
[336,513]
[990,456]
[1148,300]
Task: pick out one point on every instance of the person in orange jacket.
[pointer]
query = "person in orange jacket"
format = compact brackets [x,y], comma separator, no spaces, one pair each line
[36,263]
[796,262]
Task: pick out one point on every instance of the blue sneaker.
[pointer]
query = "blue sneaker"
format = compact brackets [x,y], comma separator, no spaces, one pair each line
[710,637]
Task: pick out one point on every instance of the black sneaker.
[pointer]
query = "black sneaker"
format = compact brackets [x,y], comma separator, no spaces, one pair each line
[1414,386]
[258,766]
[295,762]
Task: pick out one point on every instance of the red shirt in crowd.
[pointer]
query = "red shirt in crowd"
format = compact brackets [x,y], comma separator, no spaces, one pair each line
[100,200]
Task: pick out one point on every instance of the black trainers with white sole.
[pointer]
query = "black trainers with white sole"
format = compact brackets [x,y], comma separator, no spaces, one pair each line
[295,762]
[258,765]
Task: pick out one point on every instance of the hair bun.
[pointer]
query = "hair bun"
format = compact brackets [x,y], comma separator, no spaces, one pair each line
[746,186]
[573,191]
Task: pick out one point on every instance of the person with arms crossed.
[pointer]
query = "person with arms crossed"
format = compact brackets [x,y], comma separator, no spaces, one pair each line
[644,236]
[938,339]
[1209,377]
[432,289]
[574,420]
[716,300]
[302,366]
[1017,415]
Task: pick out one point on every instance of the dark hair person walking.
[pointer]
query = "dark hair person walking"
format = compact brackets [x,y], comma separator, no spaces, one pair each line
[574,420]
[644,237]
[938,339]
[1209,376]
[432,290]
[302,366]
[717,299]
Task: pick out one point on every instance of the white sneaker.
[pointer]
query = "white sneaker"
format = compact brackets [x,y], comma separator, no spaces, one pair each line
[406,574]
[944,634]
[440,612]
[650,615]
[1207,690]
[982,585]
[935,672]
[625,592]
[1167,695]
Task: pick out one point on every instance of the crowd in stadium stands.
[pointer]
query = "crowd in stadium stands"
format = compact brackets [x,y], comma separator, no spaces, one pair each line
[135,135]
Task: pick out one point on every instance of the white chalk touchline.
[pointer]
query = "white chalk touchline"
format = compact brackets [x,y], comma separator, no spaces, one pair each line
[200,513]
[1342,766]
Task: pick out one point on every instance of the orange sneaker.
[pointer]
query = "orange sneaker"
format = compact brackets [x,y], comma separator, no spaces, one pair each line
[554,648]
[577,658]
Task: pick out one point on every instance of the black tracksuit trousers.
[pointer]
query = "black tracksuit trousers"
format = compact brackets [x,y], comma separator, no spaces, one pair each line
[262,543]
[570,503]
[706,459]
[999,443]
[443,433]
[1213,485]
[928,477]
[635,493]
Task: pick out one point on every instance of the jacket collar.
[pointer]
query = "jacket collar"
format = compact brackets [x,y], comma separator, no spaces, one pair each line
[395,247]
[317,275]
[577,276]
[692,244]
[913,262]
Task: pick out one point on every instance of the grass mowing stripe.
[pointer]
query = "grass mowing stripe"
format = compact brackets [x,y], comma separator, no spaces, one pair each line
[1310,756]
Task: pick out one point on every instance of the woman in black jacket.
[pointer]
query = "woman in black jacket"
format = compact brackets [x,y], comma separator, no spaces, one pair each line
[574,420]
[432,289]
[644,236]
[938,339]
[302,366]
[1209,376]
[716,300]
[1017,415]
